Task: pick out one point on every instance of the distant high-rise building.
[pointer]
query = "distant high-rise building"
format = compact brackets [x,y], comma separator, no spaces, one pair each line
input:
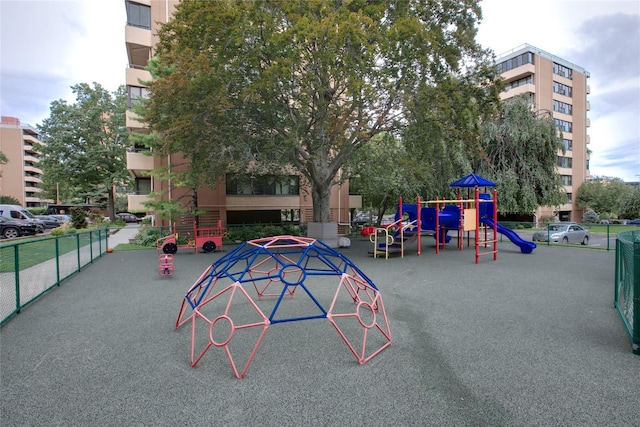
[560,88]
[21,177]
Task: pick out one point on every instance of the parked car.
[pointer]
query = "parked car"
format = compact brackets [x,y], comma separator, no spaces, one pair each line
[18,212]
[62,218]
[634,221]
[563,232]
[127,217]
[12,228]
[49,221]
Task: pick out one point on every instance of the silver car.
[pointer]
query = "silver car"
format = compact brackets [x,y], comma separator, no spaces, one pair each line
[564,232]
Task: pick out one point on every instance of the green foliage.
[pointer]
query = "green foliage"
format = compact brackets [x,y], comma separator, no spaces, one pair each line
[250,86]
[85,152]
[9,200]
[383,172]
[520,156]
[78,218]
[170,209]
[631,207]
[37,211]
[57,231]
[611,197]
[147,236]
[71,230]
[590,217]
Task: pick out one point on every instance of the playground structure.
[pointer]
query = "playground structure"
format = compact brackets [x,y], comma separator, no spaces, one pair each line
[236,299]
[209,239]
[165,265]
[438,217]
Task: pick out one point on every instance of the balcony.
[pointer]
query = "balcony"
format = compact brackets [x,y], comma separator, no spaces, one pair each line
[519,72]
[132,121]
[139,162]
[137,36]
[32,179]
[527,88]
[135,76]
[30,139]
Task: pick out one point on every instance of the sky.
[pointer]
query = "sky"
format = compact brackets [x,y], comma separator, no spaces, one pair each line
[46,46]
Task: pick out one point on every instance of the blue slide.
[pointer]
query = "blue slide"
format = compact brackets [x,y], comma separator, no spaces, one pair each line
[525,246]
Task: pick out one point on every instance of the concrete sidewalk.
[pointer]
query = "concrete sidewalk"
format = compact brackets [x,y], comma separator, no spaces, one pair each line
[122,235]
[527,340]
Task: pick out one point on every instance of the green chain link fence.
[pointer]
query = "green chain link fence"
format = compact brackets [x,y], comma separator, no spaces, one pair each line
[31,268]
[627,284]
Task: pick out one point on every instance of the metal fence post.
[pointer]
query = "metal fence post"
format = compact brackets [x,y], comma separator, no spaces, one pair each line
[16,263]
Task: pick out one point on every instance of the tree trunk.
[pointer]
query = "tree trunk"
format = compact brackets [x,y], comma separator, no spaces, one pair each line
[111,204]
[321,197]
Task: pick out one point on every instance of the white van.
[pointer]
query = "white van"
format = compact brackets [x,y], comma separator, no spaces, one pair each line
[18,212]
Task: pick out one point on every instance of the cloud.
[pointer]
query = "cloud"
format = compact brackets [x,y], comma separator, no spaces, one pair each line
[609,46]
[46,46]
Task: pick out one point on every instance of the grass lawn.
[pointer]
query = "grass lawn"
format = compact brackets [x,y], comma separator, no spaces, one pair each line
[39,249]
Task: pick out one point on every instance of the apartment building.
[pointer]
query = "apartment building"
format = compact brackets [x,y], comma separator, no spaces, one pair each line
[20,177]
[235,199]
[557,87]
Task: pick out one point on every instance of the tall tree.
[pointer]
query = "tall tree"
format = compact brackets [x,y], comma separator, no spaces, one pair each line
[307,83]
[382,173]
[609,197]
[84,150]
[444,126]
[520,154]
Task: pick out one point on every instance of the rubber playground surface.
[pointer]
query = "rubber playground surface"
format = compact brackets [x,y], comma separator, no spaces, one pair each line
[527,340]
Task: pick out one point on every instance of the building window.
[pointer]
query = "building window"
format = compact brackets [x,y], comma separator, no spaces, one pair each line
[568,144]
[569,198]
[562,71]
[521,82]
[135,93]
[566,179]
[565,162]
[142,186]
[562,107]
[562,89]
[518,61]
[564,125]
[263,185]
[138,15]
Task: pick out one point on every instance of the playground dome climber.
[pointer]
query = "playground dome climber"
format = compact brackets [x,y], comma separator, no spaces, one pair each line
[281,279]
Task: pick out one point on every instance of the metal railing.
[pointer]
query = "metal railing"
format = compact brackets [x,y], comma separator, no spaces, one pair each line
[627,284]
[28,269]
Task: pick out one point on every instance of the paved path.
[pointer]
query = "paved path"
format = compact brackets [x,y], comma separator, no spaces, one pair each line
[528,340]
[123,235]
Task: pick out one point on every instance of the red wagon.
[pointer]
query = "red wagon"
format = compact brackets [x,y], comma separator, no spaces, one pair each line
[209,239]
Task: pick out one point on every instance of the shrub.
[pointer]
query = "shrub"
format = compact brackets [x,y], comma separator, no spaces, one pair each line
[71,230]
[546,219]
[57,231]
[590,217]
[147,236]
[119,223]
[78,218]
